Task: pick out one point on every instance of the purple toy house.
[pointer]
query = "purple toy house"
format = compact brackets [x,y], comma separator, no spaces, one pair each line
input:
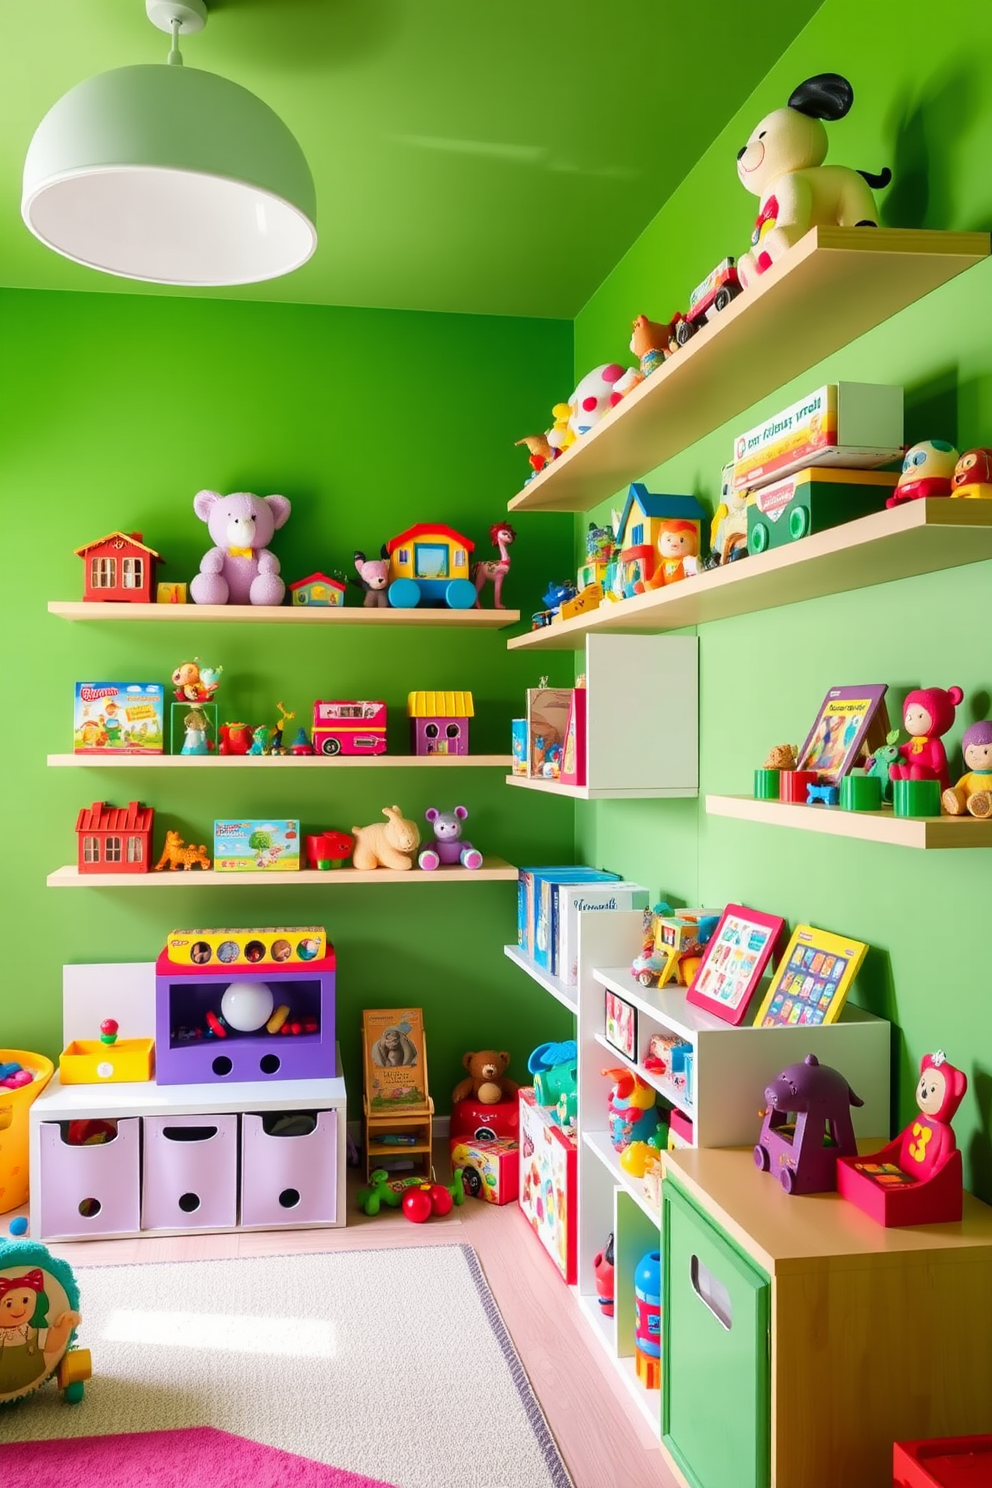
[195,1044]
[807,1127]
[439,722]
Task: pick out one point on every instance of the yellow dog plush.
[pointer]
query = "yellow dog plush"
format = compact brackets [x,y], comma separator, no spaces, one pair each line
[782,163]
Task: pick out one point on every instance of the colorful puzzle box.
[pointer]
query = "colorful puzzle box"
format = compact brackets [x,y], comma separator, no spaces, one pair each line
[248,845]
[118,718]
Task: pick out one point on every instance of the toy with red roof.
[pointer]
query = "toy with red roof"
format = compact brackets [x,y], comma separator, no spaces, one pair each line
[114,839]
[318,590]
[119,567]
[429,566]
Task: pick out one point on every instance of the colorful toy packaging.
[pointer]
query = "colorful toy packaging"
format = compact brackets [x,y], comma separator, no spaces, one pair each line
[277,946]
[490,1169]
[852,424]
[118,718]
[248,845]
[547,1183]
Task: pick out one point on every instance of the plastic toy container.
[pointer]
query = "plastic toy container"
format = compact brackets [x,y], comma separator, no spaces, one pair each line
[945,1462]
[89,1190]
[288,1173]
[14,1106]
[92,1062]
[189,1172]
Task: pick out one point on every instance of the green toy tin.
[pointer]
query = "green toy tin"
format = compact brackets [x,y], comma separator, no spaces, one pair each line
[916,797]
[767,784]
[861,793]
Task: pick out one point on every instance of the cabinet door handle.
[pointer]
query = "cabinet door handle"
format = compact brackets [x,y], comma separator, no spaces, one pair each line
[711,1292]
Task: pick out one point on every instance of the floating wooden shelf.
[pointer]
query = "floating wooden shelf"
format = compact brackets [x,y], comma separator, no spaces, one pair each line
[291,761]
[832,287]
[915,538]
[70,877]
[594,793]
[865,826]
[285,615]
[567,996]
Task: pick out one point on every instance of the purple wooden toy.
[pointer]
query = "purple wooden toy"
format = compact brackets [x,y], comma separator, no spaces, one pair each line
[807,1126]
[448,846]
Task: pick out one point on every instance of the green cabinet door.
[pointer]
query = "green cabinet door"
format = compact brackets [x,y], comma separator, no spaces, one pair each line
[716,1308]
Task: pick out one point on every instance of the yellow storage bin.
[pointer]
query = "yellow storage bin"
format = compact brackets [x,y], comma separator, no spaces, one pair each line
[14,1105]
[92,1062]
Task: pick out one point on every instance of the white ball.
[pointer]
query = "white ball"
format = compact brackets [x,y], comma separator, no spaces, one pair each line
[247,1006]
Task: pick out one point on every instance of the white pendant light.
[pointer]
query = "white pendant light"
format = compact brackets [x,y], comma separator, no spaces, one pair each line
[169,174]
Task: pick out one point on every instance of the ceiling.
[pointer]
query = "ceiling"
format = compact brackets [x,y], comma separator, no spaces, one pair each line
[494,159]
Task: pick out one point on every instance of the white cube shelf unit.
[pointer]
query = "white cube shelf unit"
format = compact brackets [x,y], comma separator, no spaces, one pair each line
[642,710]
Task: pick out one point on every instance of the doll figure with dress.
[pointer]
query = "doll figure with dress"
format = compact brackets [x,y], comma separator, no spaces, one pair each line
[973,792]
[678,553]
[927,714]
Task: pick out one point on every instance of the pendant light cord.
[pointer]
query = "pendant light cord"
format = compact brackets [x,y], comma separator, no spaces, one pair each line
[175,55]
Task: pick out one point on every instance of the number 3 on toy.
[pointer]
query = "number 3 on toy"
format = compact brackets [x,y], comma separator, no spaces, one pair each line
[918,1149]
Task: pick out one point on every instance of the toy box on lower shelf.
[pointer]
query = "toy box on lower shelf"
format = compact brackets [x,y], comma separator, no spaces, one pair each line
[547,1182]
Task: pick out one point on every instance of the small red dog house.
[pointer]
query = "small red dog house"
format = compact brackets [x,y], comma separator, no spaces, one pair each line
[114,839]
[119,567]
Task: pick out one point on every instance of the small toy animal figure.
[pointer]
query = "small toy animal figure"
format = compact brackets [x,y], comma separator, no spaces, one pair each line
[797,1153]
[235,738]
[927,470]
[632,1110]
[973,792]
[239,569]
[178,855]
[195,684]
[539,450]
[373,577]
[260,740]
[781,757]
[447,847]
[486,1081]
[927,714]
[782,163]
[491,570]
[973,475]
[389,844]
[595,395]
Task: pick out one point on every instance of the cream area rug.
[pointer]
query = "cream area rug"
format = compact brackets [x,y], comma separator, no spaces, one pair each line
[391,1363]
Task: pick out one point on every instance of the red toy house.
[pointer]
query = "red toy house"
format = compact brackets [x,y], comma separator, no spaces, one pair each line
[119,567]
[115,839]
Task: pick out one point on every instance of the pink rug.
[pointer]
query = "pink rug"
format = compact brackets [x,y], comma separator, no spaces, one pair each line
[187,1458]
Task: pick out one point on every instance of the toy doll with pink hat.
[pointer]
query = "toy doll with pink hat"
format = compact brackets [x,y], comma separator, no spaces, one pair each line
[927,714]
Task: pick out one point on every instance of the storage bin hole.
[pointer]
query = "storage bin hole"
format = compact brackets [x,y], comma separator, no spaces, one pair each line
[189,1133]
[222,1065]
[289,1123]
[289,1198]
[189,1203]
[269,1063]
[90,1208]
[712,1293]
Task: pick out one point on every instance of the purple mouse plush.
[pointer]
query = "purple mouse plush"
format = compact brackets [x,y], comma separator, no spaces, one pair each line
[239,569]
[447,846]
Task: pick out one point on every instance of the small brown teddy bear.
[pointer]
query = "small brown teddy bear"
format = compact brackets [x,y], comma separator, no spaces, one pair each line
[781,757]
[486,1081]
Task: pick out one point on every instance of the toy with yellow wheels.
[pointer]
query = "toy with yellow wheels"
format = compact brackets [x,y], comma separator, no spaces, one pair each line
[39,1318]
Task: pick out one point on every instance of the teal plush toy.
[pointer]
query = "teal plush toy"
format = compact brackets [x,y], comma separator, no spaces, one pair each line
[39,1315]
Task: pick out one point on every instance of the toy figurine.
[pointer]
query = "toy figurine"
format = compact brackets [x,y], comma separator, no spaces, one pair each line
[561,435]
[973,475]
[447,847]
[595,395]
[781,757]
[678,547]
[178,855]
[276,745]
[195,739]
[373,578]
[807,1125]
[927,714]
[260,740]
[39,1316]
[927,470]
[491,570]
[301,744]
[389,844]
[716,292]
[486,1081]
[235,738]
[728,529]
[632,1110]
[195,684]
[782,163]
[539,450]
[602,1270]
[652,341]
[973,792]
[881,762]
[239,569]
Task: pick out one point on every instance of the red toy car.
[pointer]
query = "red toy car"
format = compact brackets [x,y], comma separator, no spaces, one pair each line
[709,298]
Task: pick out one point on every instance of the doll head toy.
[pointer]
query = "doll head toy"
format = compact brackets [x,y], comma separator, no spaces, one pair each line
[927,714]
[973,792]
[782,164]
[926,471]
[973,475]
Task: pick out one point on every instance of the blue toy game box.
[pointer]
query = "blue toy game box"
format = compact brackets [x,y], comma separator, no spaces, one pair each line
[118,718]
[249,846]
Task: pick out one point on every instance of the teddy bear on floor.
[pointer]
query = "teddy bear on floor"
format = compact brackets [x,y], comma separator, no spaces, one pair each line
[239,569]
[486,1081]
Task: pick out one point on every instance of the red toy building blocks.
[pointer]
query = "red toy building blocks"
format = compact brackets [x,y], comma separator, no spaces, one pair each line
[119,567]
[114,839]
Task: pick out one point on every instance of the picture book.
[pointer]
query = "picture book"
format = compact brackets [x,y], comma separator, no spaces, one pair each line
[547,722]
[734,961]
[849,719]
[568,902]
[573,760]
[544,925]
[812,980]
[528,880]
[520,753]
[118,718]
[395,1061]
[251,846]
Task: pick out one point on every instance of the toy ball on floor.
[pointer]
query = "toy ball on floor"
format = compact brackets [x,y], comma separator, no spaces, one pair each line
[39,1315]
[19,1226]
[247,1006]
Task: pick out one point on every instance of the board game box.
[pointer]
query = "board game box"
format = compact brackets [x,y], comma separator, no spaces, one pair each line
[252,846]
[118,718]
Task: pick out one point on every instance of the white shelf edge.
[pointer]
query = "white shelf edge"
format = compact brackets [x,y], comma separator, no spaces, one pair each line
[493,870]
[290,761]
[599,1143]
[647,1402]
[603,793]
[567,996]
[687,1020]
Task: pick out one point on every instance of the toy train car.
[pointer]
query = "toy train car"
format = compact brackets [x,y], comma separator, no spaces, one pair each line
[349,727]
[429,566]
[811,501]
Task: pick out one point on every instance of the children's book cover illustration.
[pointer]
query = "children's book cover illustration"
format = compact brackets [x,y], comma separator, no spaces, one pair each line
[395,1062]
[848,719]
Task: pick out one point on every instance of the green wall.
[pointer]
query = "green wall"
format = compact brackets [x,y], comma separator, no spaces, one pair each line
[920,108]
[116,410]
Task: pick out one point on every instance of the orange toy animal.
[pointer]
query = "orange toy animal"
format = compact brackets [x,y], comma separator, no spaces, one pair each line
[178,855]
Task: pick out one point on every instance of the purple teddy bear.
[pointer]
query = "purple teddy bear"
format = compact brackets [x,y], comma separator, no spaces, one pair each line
[239,569]
[448,846]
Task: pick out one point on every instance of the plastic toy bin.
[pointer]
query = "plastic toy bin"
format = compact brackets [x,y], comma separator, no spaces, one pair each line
[89,1190]
[14,1107]
[288,1175]
[189,1172]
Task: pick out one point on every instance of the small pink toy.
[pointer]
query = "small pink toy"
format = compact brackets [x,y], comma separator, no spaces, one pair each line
[448,847]
[927,713]
[492,570]
[373,578]
[927,470]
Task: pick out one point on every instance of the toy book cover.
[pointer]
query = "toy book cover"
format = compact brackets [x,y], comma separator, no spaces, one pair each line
[852,424]
[548,1183]
[849,719]
[812,980]
[251,846]
[544,906]
[568,902]
[547,723]
[118,718]
[520,750]
[573,760]
[528,880]
[395,1060]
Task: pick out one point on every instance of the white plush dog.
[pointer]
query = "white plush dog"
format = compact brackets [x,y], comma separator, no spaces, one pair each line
[782,163]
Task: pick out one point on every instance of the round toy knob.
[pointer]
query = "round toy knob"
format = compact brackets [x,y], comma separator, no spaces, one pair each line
[108,1031]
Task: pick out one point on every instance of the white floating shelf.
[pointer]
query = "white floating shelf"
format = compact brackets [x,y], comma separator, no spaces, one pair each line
[666,1005]
[599,1142]
[69,877]
[112,761]
[194,614]
[567,996]
[593,793]
[863,826]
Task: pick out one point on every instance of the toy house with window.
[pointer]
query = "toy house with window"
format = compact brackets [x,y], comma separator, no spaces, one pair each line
[429,565]
[114,839]
[637,531]
[119,567]
[317,589]
[439,722]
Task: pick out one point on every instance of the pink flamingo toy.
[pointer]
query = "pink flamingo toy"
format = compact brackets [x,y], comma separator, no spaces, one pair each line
[501,535]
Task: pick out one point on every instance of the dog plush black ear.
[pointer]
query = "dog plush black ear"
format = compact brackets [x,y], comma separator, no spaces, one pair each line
[826,96]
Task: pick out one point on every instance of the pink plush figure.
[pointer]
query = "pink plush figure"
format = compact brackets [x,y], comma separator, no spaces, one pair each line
[928,1141]
[927,713]
[239,569]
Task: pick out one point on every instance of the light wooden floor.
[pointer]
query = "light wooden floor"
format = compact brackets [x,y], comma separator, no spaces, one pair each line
[602,1438]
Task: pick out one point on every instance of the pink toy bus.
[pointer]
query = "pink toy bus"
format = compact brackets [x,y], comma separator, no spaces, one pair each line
[349,727]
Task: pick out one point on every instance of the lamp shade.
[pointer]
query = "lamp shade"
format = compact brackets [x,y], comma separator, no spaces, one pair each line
[172,175]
